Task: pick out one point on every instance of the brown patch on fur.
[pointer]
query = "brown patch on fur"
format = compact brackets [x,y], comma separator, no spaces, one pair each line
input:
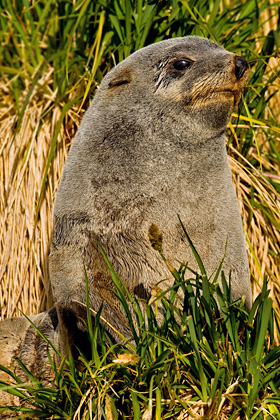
[155,237]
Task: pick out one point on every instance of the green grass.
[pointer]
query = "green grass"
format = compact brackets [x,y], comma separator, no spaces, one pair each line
[208,352]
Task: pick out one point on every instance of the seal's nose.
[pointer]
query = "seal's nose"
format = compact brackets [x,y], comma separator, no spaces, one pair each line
[241,66]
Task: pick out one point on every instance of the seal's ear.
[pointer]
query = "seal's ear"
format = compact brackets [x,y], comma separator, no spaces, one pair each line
[121,78]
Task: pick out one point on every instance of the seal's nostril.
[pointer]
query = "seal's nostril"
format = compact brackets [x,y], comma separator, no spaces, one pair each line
[241,66]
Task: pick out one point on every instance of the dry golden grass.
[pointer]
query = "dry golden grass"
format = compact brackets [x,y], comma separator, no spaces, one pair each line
[24,242]
[260,235]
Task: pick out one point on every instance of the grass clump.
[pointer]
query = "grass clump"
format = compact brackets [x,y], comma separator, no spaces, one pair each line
[204,356]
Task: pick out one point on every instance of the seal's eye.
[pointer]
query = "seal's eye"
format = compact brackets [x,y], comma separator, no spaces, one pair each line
[181,65]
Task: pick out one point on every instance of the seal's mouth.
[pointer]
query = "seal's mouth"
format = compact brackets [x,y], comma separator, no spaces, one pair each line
[235,94]
[229,94]
[235,89]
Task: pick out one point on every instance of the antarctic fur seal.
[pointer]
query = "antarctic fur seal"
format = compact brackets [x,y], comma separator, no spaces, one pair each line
[19,339]
[150,147]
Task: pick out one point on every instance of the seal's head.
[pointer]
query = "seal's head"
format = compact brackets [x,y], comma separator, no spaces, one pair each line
[196,78]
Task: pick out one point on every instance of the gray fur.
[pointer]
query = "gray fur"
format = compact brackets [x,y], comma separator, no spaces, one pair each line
[150,146]
[18,338]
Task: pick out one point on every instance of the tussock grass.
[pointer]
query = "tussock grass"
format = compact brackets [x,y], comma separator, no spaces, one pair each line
[207,359]
[24,239]
[54,54]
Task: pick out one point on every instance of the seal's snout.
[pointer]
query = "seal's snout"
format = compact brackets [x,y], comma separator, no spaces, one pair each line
[241,66]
